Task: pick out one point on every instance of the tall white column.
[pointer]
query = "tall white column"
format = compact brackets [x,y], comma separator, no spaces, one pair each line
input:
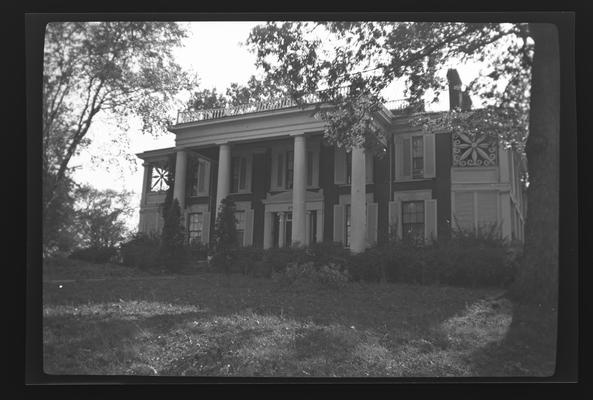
[281,230]
[358,201]
[145,184]
[180,174]
[268,228]
[224,174]
[299,189]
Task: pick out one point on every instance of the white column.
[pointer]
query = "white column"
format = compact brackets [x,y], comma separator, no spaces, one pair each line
[299,189]
[224,174]
[281,230]
[180,174]
[145,184]
[268,228]
[358,201]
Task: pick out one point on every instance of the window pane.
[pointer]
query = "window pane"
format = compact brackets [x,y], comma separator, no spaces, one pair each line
[243,173]
[159,180]
[201,177]
[240,217]
[289,169]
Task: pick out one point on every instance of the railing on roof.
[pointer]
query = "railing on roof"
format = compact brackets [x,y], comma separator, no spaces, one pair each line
[249,108]
[404,106]
[399,106]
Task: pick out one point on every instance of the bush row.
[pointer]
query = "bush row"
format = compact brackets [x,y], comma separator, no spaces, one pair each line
[457,262]
[464,260]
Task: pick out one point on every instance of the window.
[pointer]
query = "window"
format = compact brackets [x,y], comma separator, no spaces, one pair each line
[240,219]
[280,166]
[417,157]
[239,173]
[413,220]
[195,227]
[289,169]
[200,180]
[159,181]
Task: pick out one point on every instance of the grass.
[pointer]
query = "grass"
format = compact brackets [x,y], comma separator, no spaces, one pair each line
[209,325]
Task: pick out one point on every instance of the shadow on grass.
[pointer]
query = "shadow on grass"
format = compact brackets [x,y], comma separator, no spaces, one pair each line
[203,325]
[528,349]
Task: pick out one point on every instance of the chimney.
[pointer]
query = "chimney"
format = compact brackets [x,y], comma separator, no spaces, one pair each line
[455,93]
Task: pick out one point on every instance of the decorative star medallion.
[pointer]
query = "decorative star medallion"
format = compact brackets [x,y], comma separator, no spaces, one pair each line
[473,150]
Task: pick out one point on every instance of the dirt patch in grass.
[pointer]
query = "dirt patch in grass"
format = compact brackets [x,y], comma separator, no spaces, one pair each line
[208,325]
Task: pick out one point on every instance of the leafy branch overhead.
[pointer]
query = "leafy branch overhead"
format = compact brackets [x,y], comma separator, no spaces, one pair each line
[368,56]
[123,68]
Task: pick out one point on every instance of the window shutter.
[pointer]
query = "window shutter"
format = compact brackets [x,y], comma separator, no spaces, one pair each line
[464,211]
[248,236]
[204,174]
[340,166]
[249,166]
[395,211]
[487,209]
[406,159]
[430,220]
[206,228]
[339,223]
[398,155]
[429,156]
[372,216]
[277,168]
[369,166]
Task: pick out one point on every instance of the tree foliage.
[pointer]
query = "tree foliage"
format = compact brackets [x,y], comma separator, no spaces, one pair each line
[121,68]
[225,228]
[367,57]
[100,217]
[172,252]
[236,94]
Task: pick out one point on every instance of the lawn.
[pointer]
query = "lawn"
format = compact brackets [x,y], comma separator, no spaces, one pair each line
[112,320]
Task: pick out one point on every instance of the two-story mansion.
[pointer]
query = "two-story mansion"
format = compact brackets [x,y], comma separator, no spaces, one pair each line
[290,187]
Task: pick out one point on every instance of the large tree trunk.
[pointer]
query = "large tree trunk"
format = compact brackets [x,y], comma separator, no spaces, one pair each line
[537,280]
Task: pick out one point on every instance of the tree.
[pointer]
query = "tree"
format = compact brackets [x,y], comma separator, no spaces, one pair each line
[235,95]
[366,57]
[59,235]
[225,228]
[121,68]
[99,217]
[172,253]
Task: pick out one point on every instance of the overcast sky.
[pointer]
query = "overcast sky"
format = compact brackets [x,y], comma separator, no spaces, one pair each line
[214,53]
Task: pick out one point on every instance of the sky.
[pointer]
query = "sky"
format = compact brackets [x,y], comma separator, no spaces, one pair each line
[214,52]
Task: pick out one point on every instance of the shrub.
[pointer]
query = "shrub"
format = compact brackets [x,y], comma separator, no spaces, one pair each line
[276,260]
[306,274]
[238,260]
[142,251]
[96,255]
[467,259]
[173,253]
